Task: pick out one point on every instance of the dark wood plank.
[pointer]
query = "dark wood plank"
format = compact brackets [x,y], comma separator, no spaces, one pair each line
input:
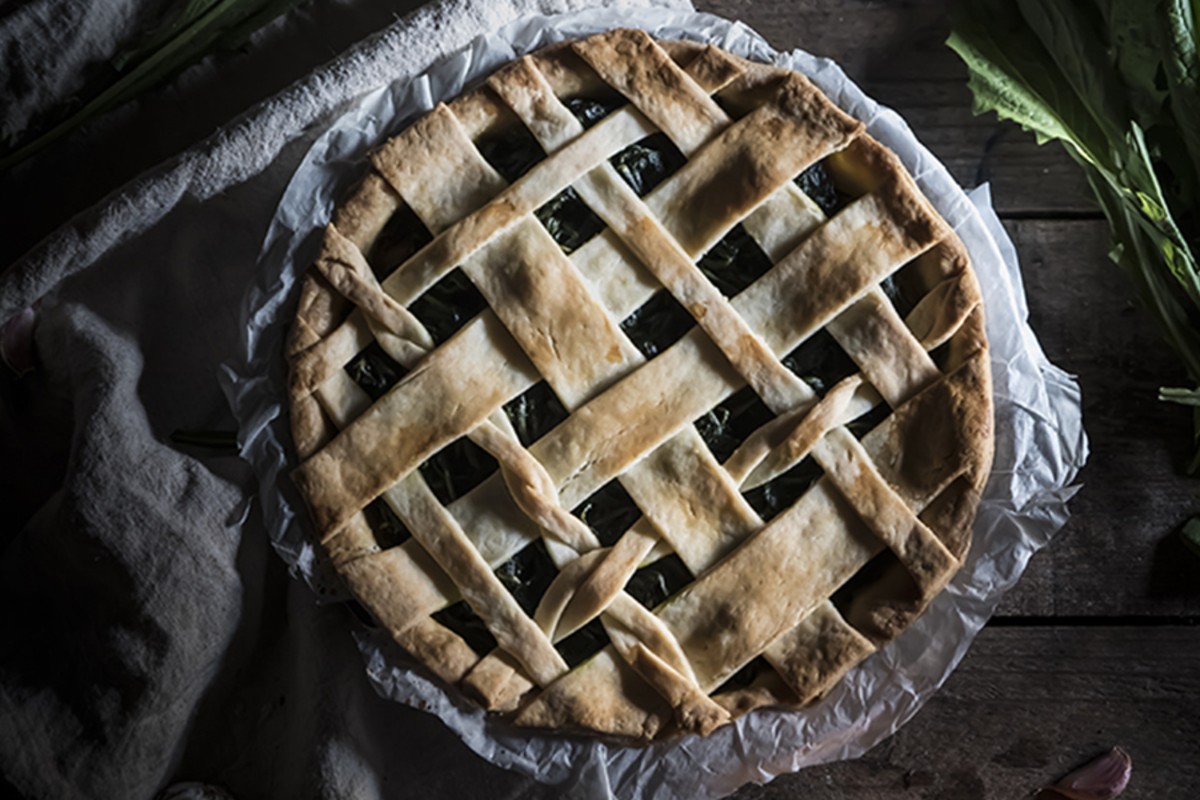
[1120,554]
[1025,707]
[896,51]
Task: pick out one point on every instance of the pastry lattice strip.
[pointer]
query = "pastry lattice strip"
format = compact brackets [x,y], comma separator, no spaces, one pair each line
[407,267]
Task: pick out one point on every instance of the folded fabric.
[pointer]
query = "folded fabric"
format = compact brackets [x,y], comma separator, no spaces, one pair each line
[151,635]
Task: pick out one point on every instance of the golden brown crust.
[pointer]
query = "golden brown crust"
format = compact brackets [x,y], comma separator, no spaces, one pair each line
[908,490]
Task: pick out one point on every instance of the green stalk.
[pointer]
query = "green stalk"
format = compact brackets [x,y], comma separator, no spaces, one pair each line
[1087,74]
[201,25]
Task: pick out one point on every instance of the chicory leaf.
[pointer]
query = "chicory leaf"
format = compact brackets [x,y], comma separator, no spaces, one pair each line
[1121,91]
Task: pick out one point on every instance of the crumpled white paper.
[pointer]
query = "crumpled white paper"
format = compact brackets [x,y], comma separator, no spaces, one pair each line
[1040,446]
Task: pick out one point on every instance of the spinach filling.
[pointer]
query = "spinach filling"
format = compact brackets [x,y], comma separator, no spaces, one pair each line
[460,618]
[375,371]
[569,220]
[512,152]
[871,574]
[646,164]
[781,491]
[402,236]
[891,287]
[388,529]
[650,586]
[609,512]
[448,305]
[728,423]
[590,110]
[867,422]
[817,183]
[583,643]
[820,362]
[654,583]
[535,412]
[657,324]
[735,262]
[528,575]
[457,469]
[744,676]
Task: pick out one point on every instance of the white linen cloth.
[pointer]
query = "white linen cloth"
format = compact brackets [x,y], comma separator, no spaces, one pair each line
[149,635]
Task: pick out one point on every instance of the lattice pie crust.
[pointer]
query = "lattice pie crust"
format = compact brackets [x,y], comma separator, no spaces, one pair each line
[773,611]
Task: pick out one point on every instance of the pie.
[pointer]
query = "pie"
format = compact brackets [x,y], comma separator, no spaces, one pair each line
[638,388]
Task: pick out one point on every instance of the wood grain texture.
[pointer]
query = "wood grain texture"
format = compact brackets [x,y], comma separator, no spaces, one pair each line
[1029,705]
[1120,554]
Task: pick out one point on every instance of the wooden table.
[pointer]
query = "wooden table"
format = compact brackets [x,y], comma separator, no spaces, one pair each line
[1098,645]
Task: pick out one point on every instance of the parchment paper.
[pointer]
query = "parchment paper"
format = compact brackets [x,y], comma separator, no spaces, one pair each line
[1040,446]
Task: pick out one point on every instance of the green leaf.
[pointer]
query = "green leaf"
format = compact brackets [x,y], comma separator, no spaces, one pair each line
[1182,71]
[1137,48]
[1012,100]
[1175,394]
[197,31]
[1118,83]
[1069,31]
[1012,74]
[191,12]
[1191,535]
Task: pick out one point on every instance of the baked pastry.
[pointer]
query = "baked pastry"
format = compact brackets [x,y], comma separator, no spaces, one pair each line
[638,388]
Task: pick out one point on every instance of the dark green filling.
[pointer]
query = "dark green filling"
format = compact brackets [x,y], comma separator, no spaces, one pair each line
[375,371]
[735,262]
[569,220]
[448,305]
[744,676]
[778,493]
[528,575]
[891,287]
[534,412]
[728,424]
[457,469]
[461,619]
[657,324]
[590,110]
[583,643]
[727,106]
[820,362]
[941,355]
[388,529]
[867,422]
[819,186]
[609,512]
[648,163]
[512,152]
[403,235]
[871,574]
[654,583]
